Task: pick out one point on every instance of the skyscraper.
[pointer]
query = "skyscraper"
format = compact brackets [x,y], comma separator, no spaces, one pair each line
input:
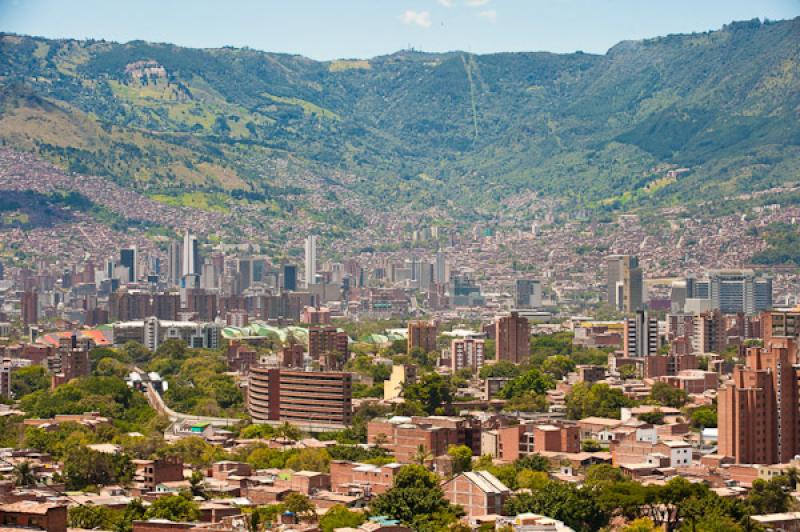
[625,286]
[528,293]
[191,261]
[440,273]
[289,277]
[175,269]
[422,335]
[735,291]
[311,259]
[129,258]
[2,272]
[641,335]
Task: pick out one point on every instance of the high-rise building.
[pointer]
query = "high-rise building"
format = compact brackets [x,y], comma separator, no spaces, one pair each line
[191,263]
[528,293]
[311,259]
[758,410]
[303,397]
[710,334]
[174,268]
[440,273]
[2,272]
[129,258]
[324,340]
[733,291]
[625,285]
[422,335]
[467,353]
[289,277]
[30,307]
[245,270]
[641,338]
[512,335]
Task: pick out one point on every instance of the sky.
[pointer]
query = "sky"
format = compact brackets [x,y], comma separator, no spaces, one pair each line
[330,29]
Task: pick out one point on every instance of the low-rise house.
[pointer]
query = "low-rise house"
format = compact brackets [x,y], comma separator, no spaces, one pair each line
[478,492]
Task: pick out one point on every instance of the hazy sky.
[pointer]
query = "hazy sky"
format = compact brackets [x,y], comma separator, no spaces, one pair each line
[326,29]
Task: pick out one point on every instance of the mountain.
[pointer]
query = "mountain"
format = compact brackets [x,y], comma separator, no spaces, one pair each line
[456,130]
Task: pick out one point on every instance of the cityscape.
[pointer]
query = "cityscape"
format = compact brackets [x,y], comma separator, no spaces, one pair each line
[244,291]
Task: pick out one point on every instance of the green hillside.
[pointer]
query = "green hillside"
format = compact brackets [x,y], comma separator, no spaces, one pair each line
[596,130]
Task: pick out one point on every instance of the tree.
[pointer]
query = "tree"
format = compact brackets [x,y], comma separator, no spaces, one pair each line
[532,462]
[196,483]
[300,505]
[461,456]
[174,508]
[310,460]
[532,480]
[656,417]
[502,368]
[135,511]
[769,496]
[23,474]
[628,371]
[287,431]
[90,517]
[557,366]
[28,380]
[84,467]
[603,474]
[380,440]
[576,507]
[591,446]
[417,500]
[432,391]
[422,455]
[532,381]
[664,394]
[643,524]
[339,516]
[600,400]
[704,417]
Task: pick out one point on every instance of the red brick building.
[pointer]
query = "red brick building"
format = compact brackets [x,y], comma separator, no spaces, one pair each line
[422,335]
[362,479]
[478,492]
[33,515]
[513,338]
[434,433]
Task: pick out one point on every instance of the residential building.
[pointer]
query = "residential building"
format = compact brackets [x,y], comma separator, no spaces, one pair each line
[641,337]
[26,515]
[528,293]
[710,334]
[478,492]
[330,340]
[401,375]
[151,473]
[300,397]
[422,335]
[513,338]
[467,353]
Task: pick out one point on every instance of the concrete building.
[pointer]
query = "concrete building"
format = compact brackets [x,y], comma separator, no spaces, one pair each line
[311,260]
[300,397]
[467,353]
[151,473]
[624,283]
[401,375]
[152,332]
[422,335]
[512,335]
[327,340]
[641,338]
[528,293]
[733,291]
[710,333]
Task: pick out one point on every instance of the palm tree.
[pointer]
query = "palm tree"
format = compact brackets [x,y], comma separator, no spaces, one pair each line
[24,475]
[422,455]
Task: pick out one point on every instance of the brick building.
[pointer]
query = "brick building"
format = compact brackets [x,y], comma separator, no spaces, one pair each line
[151,473]
[422,335]
[513,338]
[434,433]
[478,492]
[304,397]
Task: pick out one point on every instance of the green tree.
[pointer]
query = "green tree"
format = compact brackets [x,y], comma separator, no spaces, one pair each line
[600,399]
[135,511]
[532,381]
[643,524]
[310,460]
[664,394]
[23,474]
[704,417]
[577,507]
[769,496]
[417,500]
[91,517]
[27,380]
[558,366]
[300,505]
[339,516]
[432,391]
[461,456]
[179,508]
[84,467]
[503,368]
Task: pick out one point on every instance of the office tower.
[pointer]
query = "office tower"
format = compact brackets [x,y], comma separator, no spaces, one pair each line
[166,306]
[467,353]
[190,262]
[30,307]
[625,285]
[129,257]
[677,296]
[174,263]
[289,277]
[313,398]
[528,293]
[512,335]
[464,292]
[441,274]
[641,337]
[426,276]
[710,334]
[244,269]
[2,272]
[311,259]
[735,291]
[422,335]
[758,410]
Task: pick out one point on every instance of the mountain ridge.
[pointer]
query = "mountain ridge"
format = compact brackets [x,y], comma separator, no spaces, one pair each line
[591,130]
